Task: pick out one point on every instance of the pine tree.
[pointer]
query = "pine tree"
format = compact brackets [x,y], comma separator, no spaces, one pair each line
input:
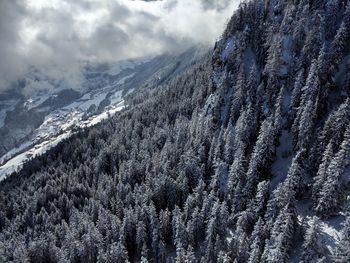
[195,227]
[165,226]
[278,108]
[311,47]
[151,181]
[303,123]
[211,235]
[296,94]
[321,175]
[334,128]
[341,41]
[190,255]
[262,156]
[252,84]
[330,196]
[257,206]
[144,253]
[181,235]
[286,192]
[118,253]
[236,180]
[305,130]
[244,225]
[140,236]
[274,61]
[279,244]
[239,94]
[223,257]
[313,248]
[257,242]
[342,253]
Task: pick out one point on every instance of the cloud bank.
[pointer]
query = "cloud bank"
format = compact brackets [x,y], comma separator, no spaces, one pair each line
[57,36]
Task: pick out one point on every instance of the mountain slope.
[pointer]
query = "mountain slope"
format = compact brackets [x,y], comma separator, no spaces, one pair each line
[40,121]
[242,158]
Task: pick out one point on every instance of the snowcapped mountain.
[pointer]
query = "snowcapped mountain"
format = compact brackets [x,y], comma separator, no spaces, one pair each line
[242,157]
[30,125]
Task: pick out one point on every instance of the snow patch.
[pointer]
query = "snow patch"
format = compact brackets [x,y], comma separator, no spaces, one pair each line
[58,126]
[283,159]
[330,231]
[122,80]
[117,97]
[16,162]
[286,50]
[230,43]
[105,115]
[36,100]
[84,104]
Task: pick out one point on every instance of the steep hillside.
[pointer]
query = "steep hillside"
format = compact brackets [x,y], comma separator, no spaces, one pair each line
[242,158]
[33,123]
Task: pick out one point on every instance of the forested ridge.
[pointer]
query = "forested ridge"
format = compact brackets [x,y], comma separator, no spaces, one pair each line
[242,158]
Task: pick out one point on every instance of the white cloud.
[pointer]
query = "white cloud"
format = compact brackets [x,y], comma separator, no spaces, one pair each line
[56,35]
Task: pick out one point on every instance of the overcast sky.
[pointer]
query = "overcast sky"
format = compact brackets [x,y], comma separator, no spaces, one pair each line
[56,35]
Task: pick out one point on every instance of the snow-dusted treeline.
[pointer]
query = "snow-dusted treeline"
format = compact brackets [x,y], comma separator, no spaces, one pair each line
[242,158]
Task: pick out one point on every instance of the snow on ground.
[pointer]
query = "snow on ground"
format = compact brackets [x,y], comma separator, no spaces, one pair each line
[286,55]
[105,115]
[59,123]
[6,107]
[286,102]
[228,48]
[36,100]
[117,97]
[330,230]
[92,98]
[217,77]
[249,60]
[284,150]
[209,105]
[330,235]
[46,135]
[57,126]
[14,151]
[122,80]
[230,236]
[286,50]
[16,162]
[283,159]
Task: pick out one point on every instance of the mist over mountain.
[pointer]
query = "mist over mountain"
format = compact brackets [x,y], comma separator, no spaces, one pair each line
[59,37]
[59,56]
[31,124]
[239,154]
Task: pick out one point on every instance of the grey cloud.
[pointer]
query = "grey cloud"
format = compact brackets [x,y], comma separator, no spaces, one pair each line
[63,36]
[109,37]
[84,5]
[215,4]
[11,16]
